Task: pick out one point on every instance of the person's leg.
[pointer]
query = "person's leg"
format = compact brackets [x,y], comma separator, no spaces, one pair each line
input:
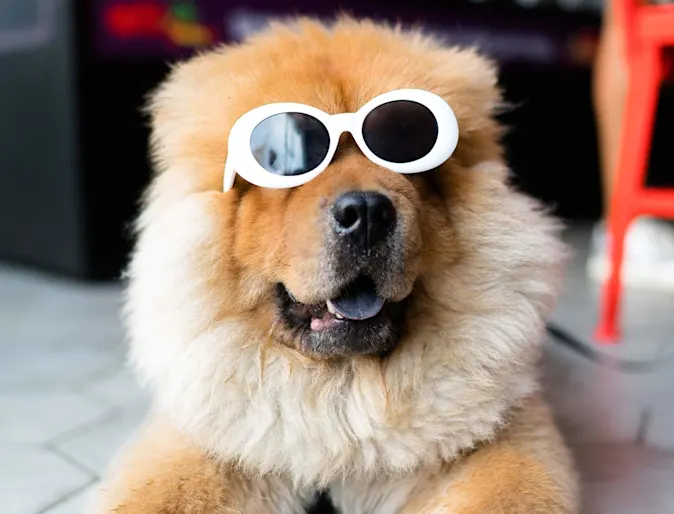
[649,245]
[609,90]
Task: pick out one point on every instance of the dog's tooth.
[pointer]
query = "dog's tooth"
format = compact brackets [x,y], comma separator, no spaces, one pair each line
[338,315]
[331,307]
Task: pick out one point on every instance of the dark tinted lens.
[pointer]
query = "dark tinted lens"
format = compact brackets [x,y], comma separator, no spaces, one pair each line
[290,143]
[400,131]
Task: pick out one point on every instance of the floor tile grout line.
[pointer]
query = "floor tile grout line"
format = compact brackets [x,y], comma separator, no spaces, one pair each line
[80,385]
[72,461]
[110,414]
[645,419]
[66,497]
[77,387]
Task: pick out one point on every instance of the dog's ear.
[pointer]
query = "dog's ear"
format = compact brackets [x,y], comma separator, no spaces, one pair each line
[188,119]
[189,114]
[469,82]
[189,111]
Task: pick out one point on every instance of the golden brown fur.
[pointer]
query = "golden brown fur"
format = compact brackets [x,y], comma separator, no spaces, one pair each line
[250,420]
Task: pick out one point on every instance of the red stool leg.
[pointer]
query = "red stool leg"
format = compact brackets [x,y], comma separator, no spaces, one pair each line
[608,330]
[637,129]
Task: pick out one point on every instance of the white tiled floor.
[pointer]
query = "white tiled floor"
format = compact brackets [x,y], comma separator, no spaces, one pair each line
[67,402]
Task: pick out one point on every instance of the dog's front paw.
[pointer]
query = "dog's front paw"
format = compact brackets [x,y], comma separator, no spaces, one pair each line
[171,495]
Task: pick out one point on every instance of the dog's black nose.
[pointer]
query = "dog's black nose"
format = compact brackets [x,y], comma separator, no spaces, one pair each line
[364,217]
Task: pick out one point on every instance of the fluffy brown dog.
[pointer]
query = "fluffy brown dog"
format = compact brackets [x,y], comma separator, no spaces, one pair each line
[431,407]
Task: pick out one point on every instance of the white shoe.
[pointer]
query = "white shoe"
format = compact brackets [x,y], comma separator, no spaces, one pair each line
[648,259]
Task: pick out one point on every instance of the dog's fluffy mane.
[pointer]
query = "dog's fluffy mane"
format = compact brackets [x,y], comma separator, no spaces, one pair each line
[474,327]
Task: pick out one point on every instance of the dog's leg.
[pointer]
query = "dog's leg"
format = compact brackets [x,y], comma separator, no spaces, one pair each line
[163,473]
[526,471]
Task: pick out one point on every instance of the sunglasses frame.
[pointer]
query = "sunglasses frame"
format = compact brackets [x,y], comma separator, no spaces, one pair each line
[240,157]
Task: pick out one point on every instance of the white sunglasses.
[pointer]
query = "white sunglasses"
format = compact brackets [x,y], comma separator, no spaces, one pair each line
[284,145]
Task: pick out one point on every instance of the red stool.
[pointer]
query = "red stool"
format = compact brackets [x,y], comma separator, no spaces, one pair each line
[648,30]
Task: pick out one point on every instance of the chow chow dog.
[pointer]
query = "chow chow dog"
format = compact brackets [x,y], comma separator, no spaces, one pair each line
[335,289]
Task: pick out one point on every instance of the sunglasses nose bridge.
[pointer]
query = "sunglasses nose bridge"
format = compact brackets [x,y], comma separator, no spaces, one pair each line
[343,122]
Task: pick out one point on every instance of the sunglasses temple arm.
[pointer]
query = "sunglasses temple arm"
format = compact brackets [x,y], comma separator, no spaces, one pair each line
[230,175]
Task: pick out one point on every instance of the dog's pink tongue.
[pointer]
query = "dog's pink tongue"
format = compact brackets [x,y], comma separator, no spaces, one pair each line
[359,302]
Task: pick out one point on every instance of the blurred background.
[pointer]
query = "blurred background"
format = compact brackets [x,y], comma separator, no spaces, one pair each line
[73,164]
[74,76]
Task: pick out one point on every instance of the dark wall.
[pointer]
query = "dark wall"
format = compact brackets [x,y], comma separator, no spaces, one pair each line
[41,216]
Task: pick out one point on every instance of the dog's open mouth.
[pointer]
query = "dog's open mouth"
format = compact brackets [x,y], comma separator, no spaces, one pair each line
[357,320]
[358,301]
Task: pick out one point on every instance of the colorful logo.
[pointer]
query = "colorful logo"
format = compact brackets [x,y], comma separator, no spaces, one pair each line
[175,22]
